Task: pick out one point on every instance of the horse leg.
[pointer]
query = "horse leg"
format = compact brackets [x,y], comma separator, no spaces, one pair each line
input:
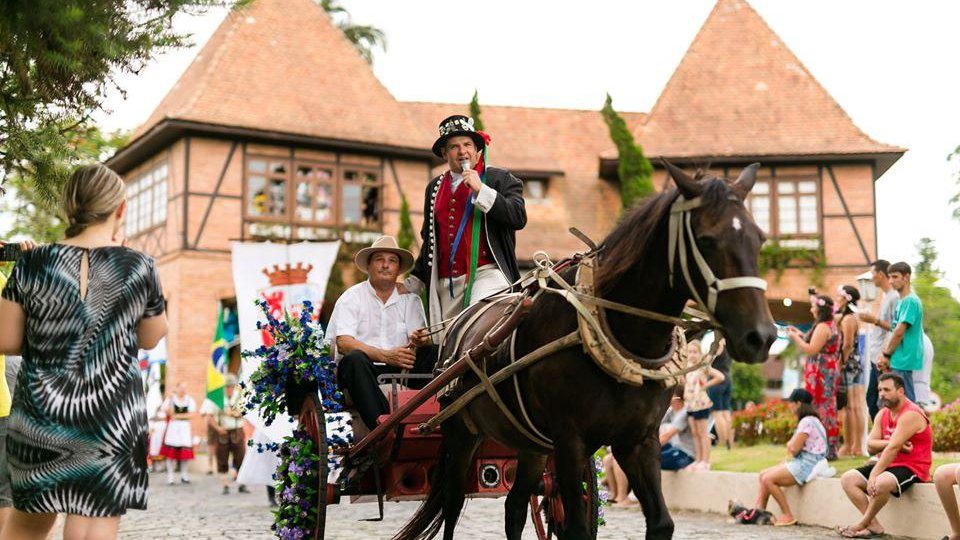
[641,463]
[461,445]
[529,471]
[571,460]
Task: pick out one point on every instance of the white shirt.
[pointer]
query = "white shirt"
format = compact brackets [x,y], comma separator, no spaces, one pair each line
[921,379]
[360,314]
[225,421]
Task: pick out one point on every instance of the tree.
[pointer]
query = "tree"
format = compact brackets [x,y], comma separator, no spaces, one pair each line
[955,200]
[365,38]
[58,60]
[928,258]
[633,168]
[405,235]
[941,322]
[36,215]
[475,112]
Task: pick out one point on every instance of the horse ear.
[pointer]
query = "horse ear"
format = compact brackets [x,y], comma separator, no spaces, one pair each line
[746,180]
[689,187]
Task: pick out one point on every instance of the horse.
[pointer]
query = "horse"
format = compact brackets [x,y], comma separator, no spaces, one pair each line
[569,399]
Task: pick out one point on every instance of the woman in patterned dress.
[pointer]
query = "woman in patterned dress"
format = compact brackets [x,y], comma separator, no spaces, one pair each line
[821,372]
[78,311]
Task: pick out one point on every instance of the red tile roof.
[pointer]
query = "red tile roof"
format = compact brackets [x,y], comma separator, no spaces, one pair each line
[739,91]
[281,65]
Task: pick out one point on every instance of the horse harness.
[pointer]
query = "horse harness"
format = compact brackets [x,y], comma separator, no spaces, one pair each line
[593,333]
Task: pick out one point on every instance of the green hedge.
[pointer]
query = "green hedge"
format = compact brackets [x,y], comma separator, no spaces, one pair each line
[774,423]
[946,428]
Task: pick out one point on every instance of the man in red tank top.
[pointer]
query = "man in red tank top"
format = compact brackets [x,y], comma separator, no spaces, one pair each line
[903,439]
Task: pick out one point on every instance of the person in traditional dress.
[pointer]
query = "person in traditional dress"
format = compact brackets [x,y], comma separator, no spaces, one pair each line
[77,434]
[471,215]
[228,424]
[177,445]
[821,372]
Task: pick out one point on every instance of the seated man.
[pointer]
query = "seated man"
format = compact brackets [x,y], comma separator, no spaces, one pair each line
[901,434]
[676,441]
[378,330]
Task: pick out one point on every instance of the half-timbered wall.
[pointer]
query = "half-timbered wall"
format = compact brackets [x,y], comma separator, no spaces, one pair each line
[206,191]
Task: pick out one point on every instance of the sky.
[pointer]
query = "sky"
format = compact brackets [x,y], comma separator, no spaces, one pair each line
[889,64]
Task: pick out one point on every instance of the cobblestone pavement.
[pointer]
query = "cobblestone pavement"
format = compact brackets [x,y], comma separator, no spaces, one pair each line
[199,511]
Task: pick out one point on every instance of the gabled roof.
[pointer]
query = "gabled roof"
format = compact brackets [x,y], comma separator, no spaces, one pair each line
[282,66]
[739,91]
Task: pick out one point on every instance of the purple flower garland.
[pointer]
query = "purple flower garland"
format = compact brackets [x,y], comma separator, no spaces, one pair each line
[299,354]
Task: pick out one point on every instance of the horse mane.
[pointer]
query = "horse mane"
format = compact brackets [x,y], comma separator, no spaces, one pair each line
[630,242]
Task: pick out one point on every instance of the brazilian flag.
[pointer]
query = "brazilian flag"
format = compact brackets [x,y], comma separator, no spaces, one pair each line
[217,365]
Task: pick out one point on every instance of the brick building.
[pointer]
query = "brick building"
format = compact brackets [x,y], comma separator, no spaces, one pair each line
[254,142]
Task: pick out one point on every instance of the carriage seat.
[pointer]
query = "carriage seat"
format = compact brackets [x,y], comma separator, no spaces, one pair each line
[387,387]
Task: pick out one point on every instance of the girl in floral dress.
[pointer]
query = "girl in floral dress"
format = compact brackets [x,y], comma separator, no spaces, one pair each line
[821,373]
[699,405]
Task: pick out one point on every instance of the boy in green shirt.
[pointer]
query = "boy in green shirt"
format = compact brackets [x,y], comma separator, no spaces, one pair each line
[903,354]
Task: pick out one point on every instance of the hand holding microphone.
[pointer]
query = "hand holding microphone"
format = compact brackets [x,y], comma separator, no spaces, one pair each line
[470,176]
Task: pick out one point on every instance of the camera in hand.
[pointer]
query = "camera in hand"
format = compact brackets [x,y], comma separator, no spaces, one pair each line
[10,252]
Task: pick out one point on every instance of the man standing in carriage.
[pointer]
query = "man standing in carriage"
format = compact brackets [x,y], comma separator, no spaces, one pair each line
[471,215]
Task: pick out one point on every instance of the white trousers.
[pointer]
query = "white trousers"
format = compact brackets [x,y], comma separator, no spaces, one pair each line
[489,280]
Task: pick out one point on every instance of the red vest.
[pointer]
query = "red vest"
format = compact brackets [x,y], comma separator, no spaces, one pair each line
[448,211]
[918,459]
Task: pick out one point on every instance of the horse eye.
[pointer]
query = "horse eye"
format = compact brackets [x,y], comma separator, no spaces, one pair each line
[707,242]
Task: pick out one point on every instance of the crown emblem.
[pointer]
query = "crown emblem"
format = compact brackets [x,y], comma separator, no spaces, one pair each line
[288,275]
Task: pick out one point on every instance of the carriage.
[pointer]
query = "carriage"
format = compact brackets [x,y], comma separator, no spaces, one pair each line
[604,320]
[397,460]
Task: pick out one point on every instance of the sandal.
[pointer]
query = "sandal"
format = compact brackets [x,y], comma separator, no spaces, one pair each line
[862,533]
[785,523]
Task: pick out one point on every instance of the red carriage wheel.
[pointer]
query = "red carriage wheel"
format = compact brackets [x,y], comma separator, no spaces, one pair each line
[312,420]
[546,510]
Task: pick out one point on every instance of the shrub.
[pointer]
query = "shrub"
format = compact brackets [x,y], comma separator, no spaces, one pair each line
[768,423]
[946,428]
[747,384]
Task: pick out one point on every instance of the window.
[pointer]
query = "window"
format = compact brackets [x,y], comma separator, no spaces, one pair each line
[146,201]
[267,188]
[786,207]
[535,189]
[303,199]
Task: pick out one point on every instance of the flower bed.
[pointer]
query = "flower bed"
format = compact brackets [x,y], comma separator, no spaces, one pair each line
[767,423]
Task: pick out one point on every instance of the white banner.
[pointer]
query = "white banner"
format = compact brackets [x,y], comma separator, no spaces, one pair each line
[284,275]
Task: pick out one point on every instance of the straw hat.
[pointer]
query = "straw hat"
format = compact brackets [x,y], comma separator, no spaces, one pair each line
[384,243]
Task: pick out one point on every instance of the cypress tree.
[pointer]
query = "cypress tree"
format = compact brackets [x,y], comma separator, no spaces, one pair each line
[633,167]
[405,234]
[475,112]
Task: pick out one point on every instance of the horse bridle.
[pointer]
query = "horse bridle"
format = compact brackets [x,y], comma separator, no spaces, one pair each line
[680,234]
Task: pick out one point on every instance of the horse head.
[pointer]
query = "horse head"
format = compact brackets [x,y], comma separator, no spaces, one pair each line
[714,253]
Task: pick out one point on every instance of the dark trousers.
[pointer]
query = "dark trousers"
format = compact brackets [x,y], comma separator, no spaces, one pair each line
[873,393]
[357,375]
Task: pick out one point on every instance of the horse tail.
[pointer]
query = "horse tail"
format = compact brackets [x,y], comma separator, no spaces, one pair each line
[426,522]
